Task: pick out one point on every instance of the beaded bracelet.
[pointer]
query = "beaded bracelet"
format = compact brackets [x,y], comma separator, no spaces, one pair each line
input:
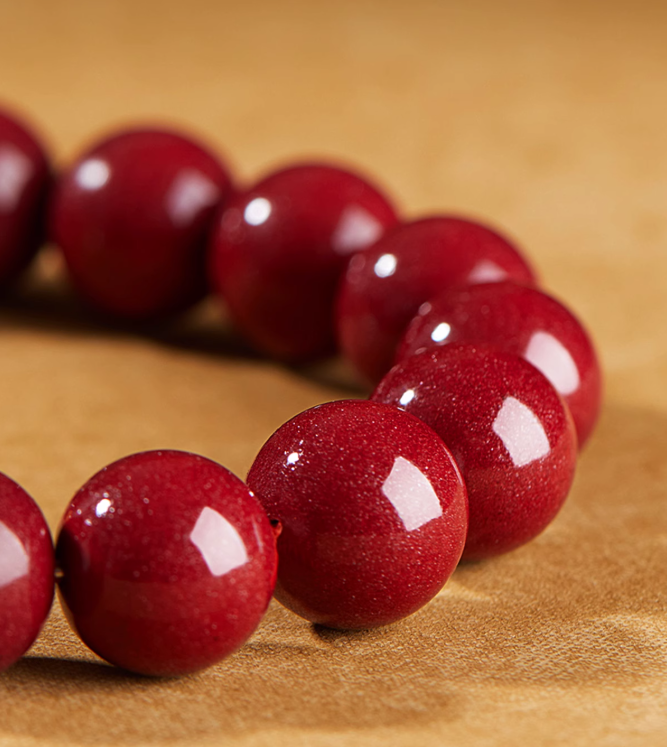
[166,561]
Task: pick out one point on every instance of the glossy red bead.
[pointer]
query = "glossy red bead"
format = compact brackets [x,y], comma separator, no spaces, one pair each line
[520,320]
[25,178]
[385,285]
[26,571]
[373,512]
[168,563]
[132,217]
[508,429]
[281,247]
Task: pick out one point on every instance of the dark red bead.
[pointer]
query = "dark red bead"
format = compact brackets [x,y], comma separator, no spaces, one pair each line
[26,571]
[168,563]
[519,320]
[25,178]
[386,284]
[373,512]
[132,217]
[508,429]
[280,249]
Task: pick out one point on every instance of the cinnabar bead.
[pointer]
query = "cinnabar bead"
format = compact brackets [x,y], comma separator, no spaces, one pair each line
[132,217]
[168,563]
[279,250]
[386,284]
[520,320]
[25,179]
[508,430]
[373,512]
[26,571]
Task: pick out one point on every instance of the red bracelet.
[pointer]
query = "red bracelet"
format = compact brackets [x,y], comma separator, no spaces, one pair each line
[166,562]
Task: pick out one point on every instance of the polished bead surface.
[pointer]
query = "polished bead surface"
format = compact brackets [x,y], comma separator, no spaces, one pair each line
[132,216]
[168,563]
[385,285]
[373,512]
[508,429]
[26,571]
[521,320]
[280,249]
[25,179]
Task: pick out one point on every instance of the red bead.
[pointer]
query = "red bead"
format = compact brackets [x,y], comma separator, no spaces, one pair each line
[386,284]
[280,249]
[26,571]
[168,563]
[25,177]
[523,321]
[373,512]
[508,430]
[132,217]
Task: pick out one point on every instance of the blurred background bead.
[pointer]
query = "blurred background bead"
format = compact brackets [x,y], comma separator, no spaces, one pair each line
[132,217]
[280,249]
[386,284]
[25,180]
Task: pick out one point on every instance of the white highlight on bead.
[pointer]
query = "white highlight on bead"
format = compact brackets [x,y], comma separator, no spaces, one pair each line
[385,266]
[92,174]
[410,492]
[190,193]
[441,332]
[15,171]
[14,561]
[521,432]
[257,211]
[486,271]
[552,358]
[219,543]
[102,507]
[356,229]
[407,397]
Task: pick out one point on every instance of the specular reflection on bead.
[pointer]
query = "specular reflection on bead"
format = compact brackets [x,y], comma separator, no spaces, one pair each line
[14,563]
[15,171]
[257,211]
[385,266]
[93,174]
[410,492]
[486,271]
[551,357]
[356,229]
[218,542]
[190,192]
[521,432]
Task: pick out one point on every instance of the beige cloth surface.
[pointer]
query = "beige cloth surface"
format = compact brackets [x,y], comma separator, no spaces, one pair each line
[548,118]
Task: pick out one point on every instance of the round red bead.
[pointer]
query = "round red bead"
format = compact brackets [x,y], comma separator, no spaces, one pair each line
[509,431]
[519,320]
[132,217]
[386,284]
[26,571]
[280,249]
[25,177]
[373,512]
[168,563]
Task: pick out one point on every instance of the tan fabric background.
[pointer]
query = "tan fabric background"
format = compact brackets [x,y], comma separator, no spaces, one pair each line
[547,117]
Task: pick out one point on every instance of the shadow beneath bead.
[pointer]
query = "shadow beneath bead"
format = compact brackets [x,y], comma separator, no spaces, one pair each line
[83,675]
[44,301]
